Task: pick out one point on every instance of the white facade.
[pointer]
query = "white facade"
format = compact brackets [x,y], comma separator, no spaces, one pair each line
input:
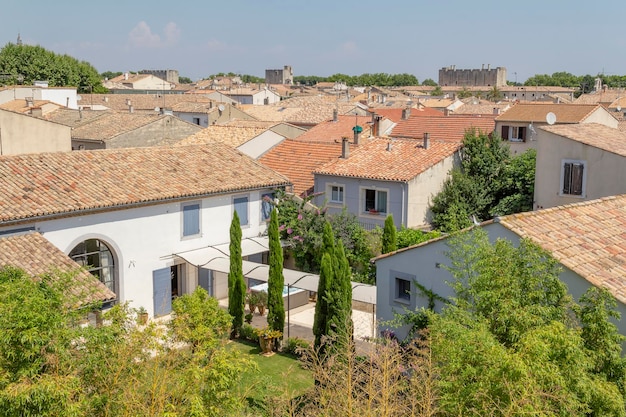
[144,239]
[64,96]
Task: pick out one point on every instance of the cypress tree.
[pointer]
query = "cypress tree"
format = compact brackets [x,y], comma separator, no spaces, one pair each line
[339,300]
[390,239]
[276,280]
[236,283]
[320,322]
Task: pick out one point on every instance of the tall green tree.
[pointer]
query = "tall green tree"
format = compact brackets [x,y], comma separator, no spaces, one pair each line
[24,64]
[390,239]
[276,280]
[236,283]
[320,321]
[339,297]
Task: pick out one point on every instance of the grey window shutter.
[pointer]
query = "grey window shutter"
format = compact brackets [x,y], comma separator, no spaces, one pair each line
[162,291]
[505,132]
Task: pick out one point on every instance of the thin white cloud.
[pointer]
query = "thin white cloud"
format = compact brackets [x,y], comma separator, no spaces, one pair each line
[141,36]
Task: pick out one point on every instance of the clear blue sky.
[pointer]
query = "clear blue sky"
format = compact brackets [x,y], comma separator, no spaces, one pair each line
[200,38]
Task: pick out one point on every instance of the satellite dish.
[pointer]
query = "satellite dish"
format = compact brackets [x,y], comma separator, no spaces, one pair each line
[551,118]
[221,107]
[157,109]
[619,108]
[79,98]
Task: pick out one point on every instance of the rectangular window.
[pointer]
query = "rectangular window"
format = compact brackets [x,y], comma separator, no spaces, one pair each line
[191,219]
[573,177]
[336,194]
[196,121]
[375,201]
[403,289]
[241,207]
[514,133]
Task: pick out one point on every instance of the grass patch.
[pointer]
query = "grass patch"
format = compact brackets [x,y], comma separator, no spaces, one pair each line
[277,375]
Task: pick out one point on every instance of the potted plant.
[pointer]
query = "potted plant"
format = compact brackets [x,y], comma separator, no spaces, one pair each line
[248,318]
[252,299]
[267,339]
[262,302]
[142,316]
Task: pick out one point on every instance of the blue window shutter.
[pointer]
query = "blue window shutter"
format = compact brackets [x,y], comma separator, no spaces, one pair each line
[191,219]
[382,202]
[205,280]
[241,207]
[162,291]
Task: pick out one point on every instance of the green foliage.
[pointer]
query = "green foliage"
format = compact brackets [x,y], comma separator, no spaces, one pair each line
[236,283]
[429,82]
[490,182]
[185,80]
[409,237]
[110,74]
[437,91]
[248,332]
[390,240]
[276,280]
[494,94]
[377,79]
[198,320]
[25,64]
[508,345]
[320,322]
[464,93]
[296,346]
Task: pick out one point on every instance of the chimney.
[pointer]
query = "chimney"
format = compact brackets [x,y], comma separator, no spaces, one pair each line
[426,140]
[357,135]
[36,112]
[496,111]
[406,113]
[345,148]
[376,126]
[446,112]
[80,112]
[126,76]
[389,147]
[488,67]
[29,101]
[130,109]
[335,115]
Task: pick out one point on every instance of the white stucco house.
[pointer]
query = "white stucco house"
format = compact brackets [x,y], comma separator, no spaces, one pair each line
[386,176]
[131,215]
[579,162]
[588,239]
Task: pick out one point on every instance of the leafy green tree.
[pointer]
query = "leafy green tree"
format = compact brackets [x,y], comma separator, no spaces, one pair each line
[508,344]
[437,91]
[339,299]
[320,321]
[25,64]
[276,280]
[185,80]
[464,93]
[110,74]
[495,94]
[390,240]
[515,186]
[409,237]
[236,283]
[429,82]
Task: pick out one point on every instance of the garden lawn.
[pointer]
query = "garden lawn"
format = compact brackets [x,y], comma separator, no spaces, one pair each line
[277,375]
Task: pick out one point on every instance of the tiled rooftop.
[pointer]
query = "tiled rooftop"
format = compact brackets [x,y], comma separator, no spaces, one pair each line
[73,118]
[565,113]
[333,131]
[443,128]
[600,97]
[231,135]
[588,237]
[62,183]
[36,256]
[296,160]
[113,123]
[395,114]
[300,110]
[389,159]
[140,102]
[593,134]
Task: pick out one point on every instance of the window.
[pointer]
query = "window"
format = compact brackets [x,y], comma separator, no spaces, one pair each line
[403,289]
[266,206]
[514,133]
[573,177]
[241,207]
[375,201]
[336,194]
[191,219]
[97,257]
[196,121]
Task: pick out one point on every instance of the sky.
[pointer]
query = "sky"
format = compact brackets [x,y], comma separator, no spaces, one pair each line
[325,37]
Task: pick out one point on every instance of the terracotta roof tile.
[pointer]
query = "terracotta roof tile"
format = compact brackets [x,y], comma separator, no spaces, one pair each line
[565,113]
[590,238]
[300,110]
[231,135]
[333,131]
[296,160]
[389,159]
[395,114]
[36,256]
[112,123]
[140,102]
[593,134]
[63,183]
[443,128]
[73,118]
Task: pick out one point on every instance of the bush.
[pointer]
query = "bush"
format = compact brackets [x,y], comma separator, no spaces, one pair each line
[296,346]
[248,332]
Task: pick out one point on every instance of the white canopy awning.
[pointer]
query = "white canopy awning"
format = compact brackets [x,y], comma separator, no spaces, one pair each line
[216,258]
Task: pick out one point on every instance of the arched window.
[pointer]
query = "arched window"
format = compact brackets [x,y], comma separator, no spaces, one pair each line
[96,256]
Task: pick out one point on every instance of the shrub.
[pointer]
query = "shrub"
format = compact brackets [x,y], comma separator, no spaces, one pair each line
[248,333]
[296,346]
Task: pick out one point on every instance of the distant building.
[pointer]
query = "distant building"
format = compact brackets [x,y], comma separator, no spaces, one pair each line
[450,76]
[167,75]
[279,76]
